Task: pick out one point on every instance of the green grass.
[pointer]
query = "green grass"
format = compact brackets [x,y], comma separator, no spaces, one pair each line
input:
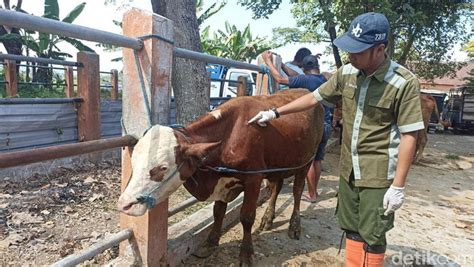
[452,156]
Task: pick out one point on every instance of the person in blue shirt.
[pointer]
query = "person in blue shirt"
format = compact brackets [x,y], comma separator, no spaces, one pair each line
[295,67]
[311,79]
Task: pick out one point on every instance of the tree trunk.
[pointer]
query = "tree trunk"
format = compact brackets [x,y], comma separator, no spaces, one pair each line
[189,80]
[406,49]
[330,27]
[332,34]
[13,46]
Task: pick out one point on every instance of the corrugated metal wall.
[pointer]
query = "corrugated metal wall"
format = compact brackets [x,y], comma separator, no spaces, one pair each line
[110,115]
[36,125]
[26,126]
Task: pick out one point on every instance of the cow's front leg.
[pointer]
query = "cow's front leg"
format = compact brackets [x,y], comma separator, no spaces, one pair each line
[269,216]
[247,218]
[294,231]
[215,233]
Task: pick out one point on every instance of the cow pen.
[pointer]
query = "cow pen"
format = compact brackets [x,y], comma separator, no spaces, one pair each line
[146,98]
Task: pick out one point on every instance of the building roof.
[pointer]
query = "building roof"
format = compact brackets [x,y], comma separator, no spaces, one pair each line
[452,82]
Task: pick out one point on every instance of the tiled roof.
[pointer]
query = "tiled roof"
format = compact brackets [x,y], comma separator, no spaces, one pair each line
[454,82]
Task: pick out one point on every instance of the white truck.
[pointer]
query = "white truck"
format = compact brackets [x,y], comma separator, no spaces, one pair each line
[224,80]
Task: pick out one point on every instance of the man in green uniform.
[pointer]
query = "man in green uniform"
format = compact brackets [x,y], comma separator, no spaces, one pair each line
[381,117]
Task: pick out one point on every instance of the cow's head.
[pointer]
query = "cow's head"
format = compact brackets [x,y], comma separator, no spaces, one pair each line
[160,164]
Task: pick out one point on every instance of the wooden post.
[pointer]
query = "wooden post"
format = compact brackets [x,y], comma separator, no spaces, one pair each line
[150,231]
[242,87]
[262,82]
[69,78]
[114,82]
[88,87]
[11,78]
[277,62]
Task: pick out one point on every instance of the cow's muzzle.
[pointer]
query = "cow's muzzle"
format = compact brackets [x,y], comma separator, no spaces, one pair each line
[131,207]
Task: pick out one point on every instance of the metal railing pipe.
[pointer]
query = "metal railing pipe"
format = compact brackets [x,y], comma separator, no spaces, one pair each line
[225,80]
[184,53]
[16,101]
[37,59]
[186,204]
[11,159]
[95,249]
[39,83]
[34,23]
[41,67]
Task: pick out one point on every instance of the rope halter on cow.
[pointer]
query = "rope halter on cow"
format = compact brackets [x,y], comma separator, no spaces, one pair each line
[150,201]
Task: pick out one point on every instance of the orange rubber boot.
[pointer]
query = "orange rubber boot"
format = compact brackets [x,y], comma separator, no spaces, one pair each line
[354,253]
[374,259]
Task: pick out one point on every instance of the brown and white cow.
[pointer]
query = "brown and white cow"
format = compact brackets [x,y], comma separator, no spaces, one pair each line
[222,138]
[428,106]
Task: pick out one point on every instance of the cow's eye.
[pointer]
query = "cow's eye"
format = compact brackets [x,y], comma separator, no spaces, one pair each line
[163,168]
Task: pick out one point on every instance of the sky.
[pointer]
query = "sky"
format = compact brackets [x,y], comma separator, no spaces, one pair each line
[97,15]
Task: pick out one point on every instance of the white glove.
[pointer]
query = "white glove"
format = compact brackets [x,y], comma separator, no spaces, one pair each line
[262,117]
[393,199]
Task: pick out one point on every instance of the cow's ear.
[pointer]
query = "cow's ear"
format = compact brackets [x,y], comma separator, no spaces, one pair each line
[199,150]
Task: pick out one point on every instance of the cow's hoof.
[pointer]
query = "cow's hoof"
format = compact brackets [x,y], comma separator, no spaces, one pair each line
[204,252]
[246,256]
[294,233]
[265,224]
[246,262]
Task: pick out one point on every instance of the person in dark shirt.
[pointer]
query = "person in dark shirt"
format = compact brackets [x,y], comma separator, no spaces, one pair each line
[311,80]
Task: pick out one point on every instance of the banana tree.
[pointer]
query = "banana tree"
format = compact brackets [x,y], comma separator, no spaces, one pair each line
[233,43]
[203,15]
[46,45]
[10,37]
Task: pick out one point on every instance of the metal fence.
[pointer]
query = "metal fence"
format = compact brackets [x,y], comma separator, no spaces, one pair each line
[33,123]
[150,247]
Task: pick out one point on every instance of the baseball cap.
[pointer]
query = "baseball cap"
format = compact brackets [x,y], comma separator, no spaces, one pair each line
[366,30]
[310,62]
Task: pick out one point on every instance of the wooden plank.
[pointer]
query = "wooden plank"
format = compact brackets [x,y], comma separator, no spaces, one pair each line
[277,62]
[242,87]
[69,77]
[114,82]
[11,78]
[88,88]
[189,234]
[261,86]
[150,230]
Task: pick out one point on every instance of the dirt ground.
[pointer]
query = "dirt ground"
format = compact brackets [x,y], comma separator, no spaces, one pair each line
[47,218]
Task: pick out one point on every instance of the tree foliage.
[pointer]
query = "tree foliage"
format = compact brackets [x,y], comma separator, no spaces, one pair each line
[469,48]
[261,8]
[45,45]
[233,43]
[42,44]
[422,31]
[10,37]
[204,14]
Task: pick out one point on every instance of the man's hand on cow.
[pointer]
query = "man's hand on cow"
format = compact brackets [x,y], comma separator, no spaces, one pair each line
[393,199]
[262,117]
